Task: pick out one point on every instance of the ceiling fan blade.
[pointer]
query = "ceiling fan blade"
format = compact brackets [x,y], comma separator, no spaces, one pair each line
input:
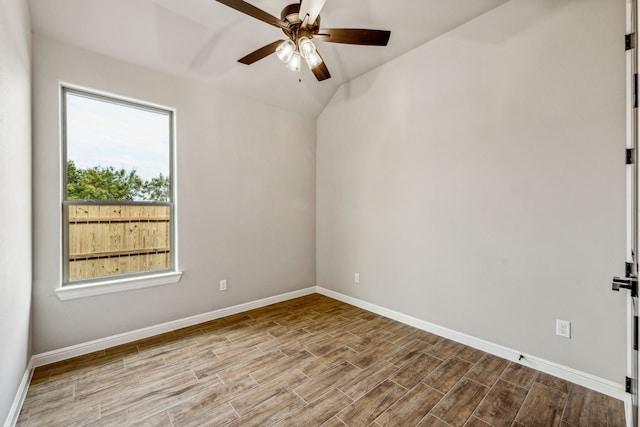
[251,10]
[263,52]
[354,36]
[321,71]
[311,8]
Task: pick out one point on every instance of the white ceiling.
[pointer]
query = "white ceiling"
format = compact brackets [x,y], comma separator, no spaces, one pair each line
[203,39]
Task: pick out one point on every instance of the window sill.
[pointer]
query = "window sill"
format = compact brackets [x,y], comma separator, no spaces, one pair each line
[85,290]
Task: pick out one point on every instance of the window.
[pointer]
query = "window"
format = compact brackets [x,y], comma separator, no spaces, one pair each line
[118,205]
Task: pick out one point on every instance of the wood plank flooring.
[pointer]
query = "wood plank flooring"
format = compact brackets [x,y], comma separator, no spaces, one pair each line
[311,361]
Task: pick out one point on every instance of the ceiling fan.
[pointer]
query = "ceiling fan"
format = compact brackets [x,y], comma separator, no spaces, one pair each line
[301,23]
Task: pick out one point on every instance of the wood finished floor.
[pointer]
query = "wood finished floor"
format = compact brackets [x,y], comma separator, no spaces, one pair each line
[311,361]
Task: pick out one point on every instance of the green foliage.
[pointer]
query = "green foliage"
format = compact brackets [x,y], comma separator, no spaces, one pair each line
[157,189]
[99,183]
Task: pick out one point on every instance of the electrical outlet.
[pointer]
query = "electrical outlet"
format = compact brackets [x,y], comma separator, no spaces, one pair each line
[563,328]
[356,278]
[223,285]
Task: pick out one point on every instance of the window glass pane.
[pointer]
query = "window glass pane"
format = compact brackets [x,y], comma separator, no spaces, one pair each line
[116,151]
[118,207]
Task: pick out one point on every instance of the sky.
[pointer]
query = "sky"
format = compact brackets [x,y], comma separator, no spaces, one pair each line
[106,134]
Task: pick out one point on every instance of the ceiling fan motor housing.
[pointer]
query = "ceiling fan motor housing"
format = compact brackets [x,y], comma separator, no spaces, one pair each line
[291,15]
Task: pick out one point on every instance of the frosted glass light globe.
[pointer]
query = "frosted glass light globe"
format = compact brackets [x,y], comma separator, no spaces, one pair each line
[307,48]
[285,51]
[294,62]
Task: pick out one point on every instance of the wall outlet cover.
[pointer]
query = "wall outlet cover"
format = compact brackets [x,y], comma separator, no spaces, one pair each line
[563,328]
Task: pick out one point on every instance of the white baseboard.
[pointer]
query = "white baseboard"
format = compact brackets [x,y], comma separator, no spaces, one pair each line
[112,341]
[582,378]
[18,400]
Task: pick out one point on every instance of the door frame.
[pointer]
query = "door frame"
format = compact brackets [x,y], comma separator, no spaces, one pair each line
[632,216]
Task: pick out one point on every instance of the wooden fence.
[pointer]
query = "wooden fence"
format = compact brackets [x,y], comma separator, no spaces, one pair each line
[107,240]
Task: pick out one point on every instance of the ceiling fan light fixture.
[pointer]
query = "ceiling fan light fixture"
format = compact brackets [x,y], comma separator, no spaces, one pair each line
[313,60]
[285,51]
[306,47]
[294,62]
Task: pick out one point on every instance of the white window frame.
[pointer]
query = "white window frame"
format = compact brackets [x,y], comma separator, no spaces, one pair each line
[121,282]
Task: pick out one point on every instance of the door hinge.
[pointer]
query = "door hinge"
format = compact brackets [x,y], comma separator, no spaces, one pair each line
[635,333]
[627,385]
[630,159]
[630,269]
[629,41]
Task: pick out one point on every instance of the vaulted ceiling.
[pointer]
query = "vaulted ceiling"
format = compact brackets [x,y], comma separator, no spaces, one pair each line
[203,39]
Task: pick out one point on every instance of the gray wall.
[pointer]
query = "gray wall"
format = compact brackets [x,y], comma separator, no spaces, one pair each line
[477,182]
[15,198]
[246,200]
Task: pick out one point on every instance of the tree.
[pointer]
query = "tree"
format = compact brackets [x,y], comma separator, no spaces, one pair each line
[157,189]
[100,183]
